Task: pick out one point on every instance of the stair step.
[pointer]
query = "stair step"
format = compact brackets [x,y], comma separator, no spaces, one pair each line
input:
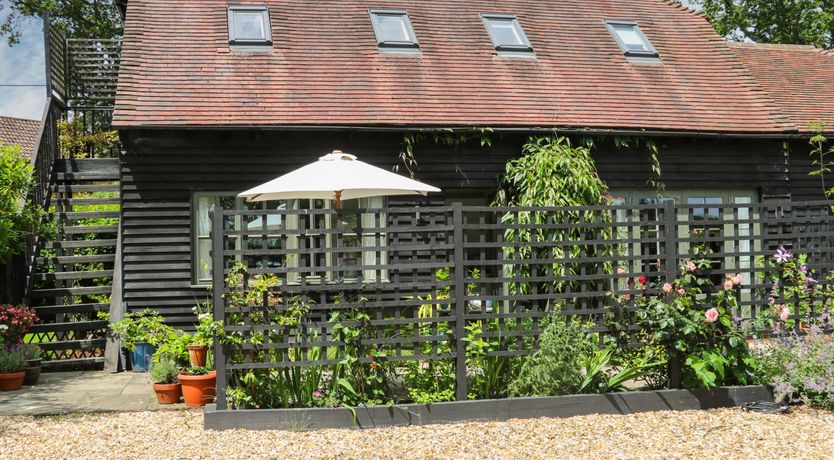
[65,176]
[69,188]
[72,326]
[75,244]
[72,344]
[82,229]
[74,291]
[48,365]
[85,201]
[74,275]
[65,260]
[79,215]
[74,308]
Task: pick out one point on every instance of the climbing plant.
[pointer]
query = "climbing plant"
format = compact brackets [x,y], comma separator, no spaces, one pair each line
[447,137]
[819,151]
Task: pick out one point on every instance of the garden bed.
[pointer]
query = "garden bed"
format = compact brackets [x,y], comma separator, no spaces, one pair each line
[492,409]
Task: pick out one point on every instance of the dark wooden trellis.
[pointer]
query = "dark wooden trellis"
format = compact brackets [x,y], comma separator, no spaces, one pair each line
[502,268]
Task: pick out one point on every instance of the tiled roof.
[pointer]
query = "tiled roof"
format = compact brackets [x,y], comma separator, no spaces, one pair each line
[325,69]
[799,79]
[22,132]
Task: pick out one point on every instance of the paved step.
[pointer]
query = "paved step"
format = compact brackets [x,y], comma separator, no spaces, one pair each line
[74,308]
[71,326]
[76,244]
[73,291]
[66,260]
[78,275]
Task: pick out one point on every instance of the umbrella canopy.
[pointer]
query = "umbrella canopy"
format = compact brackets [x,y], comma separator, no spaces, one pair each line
[336,176]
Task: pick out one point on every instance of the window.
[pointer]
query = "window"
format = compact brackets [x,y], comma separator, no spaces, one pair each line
[393,30]
[249,25]
[631,39]
[363,231]
[506,33]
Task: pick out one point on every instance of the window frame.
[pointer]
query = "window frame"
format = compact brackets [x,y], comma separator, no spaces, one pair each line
[524,49]
[650,52]
[383,44]
[232,9]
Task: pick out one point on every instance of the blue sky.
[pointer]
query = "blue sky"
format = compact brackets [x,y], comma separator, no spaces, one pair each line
[22,64]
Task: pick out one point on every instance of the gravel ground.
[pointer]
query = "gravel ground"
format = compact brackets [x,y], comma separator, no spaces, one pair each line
[724,433]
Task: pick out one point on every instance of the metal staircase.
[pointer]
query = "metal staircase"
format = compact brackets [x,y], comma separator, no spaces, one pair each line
[73,277]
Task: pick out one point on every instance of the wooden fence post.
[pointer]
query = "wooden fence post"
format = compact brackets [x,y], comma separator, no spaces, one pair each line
[461,388]
[218,305]
[670,245]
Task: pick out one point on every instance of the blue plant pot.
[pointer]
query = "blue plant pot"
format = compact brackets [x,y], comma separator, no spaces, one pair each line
[142,356]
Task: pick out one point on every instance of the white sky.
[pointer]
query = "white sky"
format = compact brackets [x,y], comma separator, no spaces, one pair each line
[22,64]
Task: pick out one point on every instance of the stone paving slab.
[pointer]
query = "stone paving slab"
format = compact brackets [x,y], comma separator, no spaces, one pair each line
[83,391]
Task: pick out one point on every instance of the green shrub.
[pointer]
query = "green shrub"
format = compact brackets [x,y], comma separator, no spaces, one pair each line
[146,326]
[11,360]
[163,371]
[556,367]
[175,349]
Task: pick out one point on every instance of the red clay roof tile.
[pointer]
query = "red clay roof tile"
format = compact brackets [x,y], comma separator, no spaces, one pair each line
[799,79]
[325,69]
[20,132]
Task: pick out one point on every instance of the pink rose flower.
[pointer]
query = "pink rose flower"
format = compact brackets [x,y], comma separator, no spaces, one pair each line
[786,312]
[712,315]
[667,288]
[621,271]
[728,285]
[681,291]
[690,265]
[739,279]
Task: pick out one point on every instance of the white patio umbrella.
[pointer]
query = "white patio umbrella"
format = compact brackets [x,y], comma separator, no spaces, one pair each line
[336,176]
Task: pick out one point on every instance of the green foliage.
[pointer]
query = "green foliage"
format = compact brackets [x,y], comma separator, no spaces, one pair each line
[207,328]
[195,371]
[801,22]
[656,180]
[800,368]
[175,349]
[77,142]
[30,351]
[447,137]
[603,376]
[18,218]
[556,367]
[11,360]
[551,173]
[76,18]
[488,374]
[143,326]
[163,371]
[819,151]
[703,337]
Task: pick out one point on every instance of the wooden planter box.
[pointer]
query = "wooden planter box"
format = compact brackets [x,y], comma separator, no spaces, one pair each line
[488,410]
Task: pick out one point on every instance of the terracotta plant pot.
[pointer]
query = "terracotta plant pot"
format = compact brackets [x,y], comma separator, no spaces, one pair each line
[12,381]
[197,355]
[33,372]
[198,390]
[167,393]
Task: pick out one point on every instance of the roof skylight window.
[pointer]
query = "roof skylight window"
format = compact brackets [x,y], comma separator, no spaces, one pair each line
[393,29]
[506,33]
[249,25]
[631,38]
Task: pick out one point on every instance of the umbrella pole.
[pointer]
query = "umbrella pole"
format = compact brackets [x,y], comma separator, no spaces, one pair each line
[338,204]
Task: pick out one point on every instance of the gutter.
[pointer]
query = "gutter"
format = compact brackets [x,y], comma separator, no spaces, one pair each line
[787,134]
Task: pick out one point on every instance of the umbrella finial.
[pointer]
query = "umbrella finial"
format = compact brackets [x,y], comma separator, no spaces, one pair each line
[338,155]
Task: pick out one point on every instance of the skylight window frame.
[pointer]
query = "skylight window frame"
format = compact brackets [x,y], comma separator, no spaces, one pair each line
[650,52]
[232,9]
[413,44]
[524,49]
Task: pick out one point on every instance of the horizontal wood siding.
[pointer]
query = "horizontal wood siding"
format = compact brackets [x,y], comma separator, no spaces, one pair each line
[162,168]
[803,186]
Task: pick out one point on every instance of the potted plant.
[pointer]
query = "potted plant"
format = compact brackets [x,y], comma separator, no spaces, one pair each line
[32,355]
[198,385]
[15,321]
[12,368]
[207,330]
[163,375]
[141,333]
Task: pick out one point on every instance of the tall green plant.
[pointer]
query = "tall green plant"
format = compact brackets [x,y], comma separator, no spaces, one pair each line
[19,217]
[551,173]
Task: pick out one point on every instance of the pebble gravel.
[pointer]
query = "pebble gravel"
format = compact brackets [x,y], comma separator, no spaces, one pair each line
[724,433]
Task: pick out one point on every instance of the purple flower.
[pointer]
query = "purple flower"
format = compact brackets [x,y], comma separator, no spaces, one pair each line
[317,394]
[782,255]
[804,269]
[810,281]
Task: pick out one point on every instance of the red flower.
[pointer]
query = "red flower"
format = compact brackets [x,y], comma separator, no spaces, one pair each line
[641,280]
[373,365]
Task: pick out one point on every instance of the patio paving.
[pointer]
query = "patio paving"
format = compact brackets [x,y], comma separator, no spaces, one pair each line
[83,391]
